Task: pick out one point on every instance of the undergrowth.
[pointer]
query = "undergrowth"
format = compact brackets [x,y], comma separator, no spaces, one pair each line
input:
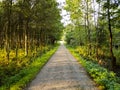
[26,74]
[107,80]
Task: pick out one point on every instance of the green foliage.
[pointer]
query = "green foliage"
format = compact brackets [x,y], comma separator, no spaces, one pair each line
[28,29]
[106,79]
[99,20]
[75,35]
[26,74]
[117,54]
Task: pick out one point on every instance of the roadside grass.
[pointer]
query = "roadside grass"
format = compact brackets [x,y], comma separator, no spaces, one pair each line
[27,74]
[107,80]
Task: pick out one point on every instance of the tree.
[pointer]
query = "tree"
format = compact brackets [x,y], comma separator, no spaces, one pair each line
[99,25]
[28,23]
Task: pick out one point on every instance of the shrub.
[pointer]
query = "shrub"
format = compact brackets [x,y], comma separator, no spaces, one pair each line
[106,79]
[26,74]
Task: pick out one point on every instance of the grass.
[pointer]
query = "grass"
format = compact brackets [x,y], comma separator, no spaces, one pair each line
[106,80]
[21,79]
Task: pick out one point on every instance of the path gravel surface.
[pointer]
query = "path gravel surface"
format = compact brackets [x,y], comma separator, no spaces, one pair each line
[62,72]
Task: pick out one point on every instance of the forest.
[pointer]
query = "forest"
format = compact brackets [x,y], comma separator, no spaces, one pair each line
[31,29]
[95,29]
[28,29]
[94,33]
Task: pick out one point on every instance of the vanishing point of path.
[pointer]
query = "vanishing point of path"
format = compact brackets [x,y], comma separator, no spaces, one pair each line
[62,72]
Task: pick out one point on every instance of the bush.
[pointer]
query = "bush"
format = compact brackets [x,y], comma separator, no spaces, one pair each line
[25,75]
[106,79]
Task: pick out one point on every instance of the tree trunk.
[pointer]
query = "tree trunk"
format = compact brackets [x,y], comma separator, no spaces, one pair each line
[7,47]
[96,27]
[8,29]
[113,59]
[26,38]
[88,28]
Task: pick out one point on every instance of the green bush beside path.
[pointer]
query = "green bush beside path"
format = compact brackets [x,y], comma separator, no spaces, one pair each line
[20,80]
[107,80]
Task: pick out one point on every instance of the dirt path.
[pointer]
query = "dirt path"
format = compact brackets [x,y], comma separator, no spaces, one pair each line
[62,72]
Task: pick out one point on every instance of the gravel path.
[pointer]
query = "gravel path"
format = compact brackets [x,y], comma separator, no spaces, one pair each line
[62,72]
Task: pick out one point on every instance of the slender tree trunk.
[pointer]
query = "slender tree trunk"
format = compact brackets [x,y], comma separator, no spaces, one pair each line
[113,62]
[96,28]
[16,48]
[41,41]
[85,30]
[7,46]
[17,41]
[88,27]
[26,38]
[8,29]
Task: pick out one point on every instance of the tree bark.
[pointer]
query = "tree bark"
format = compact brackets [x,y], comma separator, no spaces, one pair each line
[8,29]
[113,59]
[88,27]
[26,37]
